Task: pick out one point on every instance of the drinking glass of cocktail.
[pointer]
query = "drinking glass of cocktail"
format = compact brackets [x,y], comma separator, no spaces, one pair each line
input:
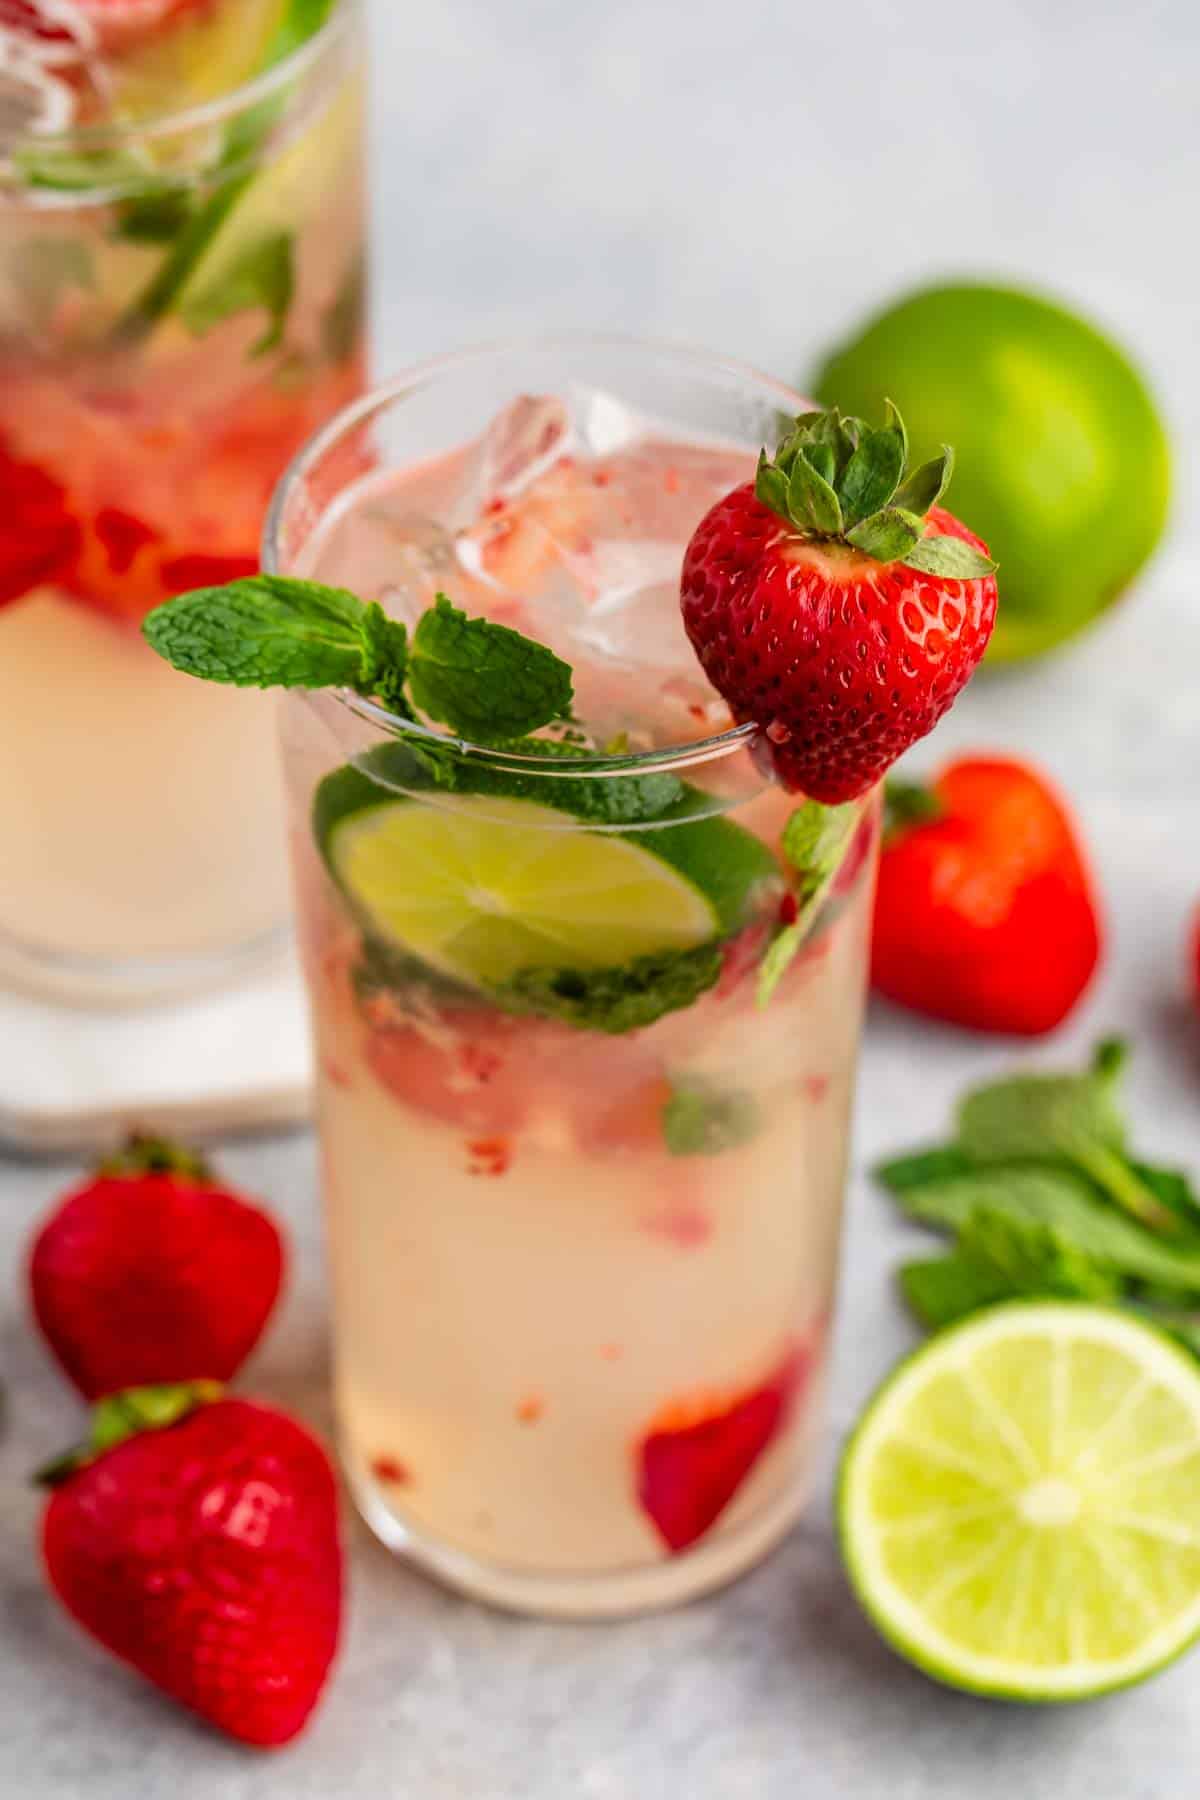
[181,282]
[586,961]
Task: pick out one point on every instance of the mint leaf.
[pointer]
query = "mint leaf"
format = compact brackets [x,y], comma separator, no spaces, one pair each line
[948,556]
[903,1173]
[700,1121]
[1002,1257]
[342,324]
[815,839]
[1066,1203]
[907,803]
[615,1000]
[1076,1119]
[155,217]
[263,277]
[244,138]
[872,474]
[272,631]
[940,1290]
[484,681]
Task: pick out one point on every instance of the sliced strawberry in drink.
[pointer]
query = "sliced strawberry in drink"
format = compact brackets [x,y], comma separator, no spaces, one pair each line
[698,1451]
[51,32]
[120,22]
[458,1068]
[39,538]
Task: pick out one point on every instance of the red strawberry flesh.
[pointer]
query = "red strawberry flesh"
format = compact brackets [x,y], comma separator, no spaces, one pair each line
[697,1454]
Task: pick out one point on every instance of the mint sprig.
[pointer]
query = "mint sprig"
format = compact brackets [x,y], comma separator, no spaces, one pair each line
[815,839]
[1042,1196]
[484,681]
[838,478]
[262,278]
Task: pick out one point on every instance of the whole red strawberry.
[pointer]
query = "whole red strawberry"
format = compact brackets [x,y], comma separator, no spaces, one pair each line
[836,605]
[985,912]
[201,1546]
[153,1272]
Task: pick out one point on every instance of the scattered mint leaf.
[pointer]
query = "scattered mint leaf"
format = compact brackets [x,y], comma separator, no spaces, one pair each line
[940,1290]
[1073,1118]
[615,1000]
[484,681]
[70,172]
[264,277]
[1171,1188]
[815,839]
[903,1173]
[1000,1257]
[700,1121]
[1066,1203]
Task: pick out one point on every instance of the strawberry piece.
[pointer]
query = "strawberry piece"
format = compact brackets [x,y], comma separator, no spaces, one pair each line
[119,23]
[38,536]
[152,1272]
[52,32]
[697,1452]
[985,912]
[205,1554]
[844,637]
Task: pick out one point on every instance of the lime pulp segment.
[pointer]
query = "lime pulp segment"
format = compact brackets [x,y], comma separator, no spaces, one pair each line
[1020,1505]
[484,888]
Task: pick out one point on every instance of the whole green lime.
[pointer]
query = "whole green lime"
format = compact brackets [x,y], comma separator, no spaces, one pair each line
[1062,461]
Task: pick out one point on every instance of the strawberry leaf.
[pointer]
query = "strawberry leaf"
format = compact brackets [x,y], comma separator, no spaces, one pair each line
[949,557]
[872,474]
[887,536]
[926,485]
[811,501]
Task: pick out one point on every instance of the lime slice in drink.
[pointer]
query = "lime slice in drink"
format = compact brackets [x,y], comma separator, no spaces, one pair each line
[484,887]
[1020,1504]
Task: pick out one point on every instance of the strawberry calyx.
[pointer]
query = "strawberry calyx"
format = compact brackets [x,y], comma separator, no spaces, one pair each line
[909,803]
[838,479]
[118,1417]
[145,1155]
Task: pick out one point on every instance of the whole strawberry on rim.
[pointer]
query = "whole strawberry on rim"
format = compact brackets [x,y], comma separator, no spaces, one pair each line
[836,604]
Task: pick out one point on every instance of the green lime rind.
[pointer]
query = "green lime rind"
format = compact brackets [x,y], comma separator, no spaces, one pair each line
[725,871]
[996,1678]
[728,864]
[1062,460]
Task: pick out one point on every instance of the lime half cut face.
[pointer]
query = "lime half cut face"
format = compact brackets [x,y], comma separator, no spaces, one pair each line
[1020,1504]
[484,888]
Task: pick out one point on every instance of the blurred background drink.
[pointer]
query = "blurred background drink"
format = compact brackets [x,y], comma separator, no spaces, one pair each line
[583,1185]
[181,287]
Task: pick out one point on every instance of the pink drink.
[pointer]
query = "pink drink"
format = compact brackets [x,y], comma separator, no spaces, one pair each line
[583,1191]
[180,307]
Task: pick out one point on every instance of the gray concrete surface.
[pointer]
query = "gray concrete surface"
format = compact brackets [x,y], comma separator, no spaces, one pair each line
[749,177]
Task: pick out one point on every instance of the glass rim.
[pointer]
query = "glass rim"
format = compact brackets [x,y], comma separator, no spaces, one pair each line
[732,741]
[246,95]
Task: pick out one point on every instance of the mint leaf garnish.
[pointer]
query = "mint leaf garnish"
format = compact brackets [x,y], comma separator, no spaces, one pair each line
[619,999]
[484,681]
[263,277]
[815,839]
[701,1121]
[907,803]
[273,631]
[342,323]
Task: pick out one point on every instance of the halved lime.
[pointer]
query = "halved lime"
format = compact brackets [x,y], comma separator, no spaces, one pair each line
[485,887]
[1019,1506]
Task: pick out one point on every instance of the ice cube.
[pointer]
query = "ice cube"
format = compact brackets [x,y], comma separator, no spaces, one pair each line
[604,424]
[639,626]
[520,444]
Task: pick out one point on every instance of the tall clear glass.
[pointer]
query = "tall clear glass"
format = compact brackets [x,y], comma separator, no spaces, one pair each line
[583,1189]
[180,307]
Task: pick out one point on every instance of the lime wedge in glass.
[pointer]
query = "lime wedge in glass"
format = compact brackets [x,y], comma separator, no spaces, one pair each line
[485,887]
[1019,1506]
